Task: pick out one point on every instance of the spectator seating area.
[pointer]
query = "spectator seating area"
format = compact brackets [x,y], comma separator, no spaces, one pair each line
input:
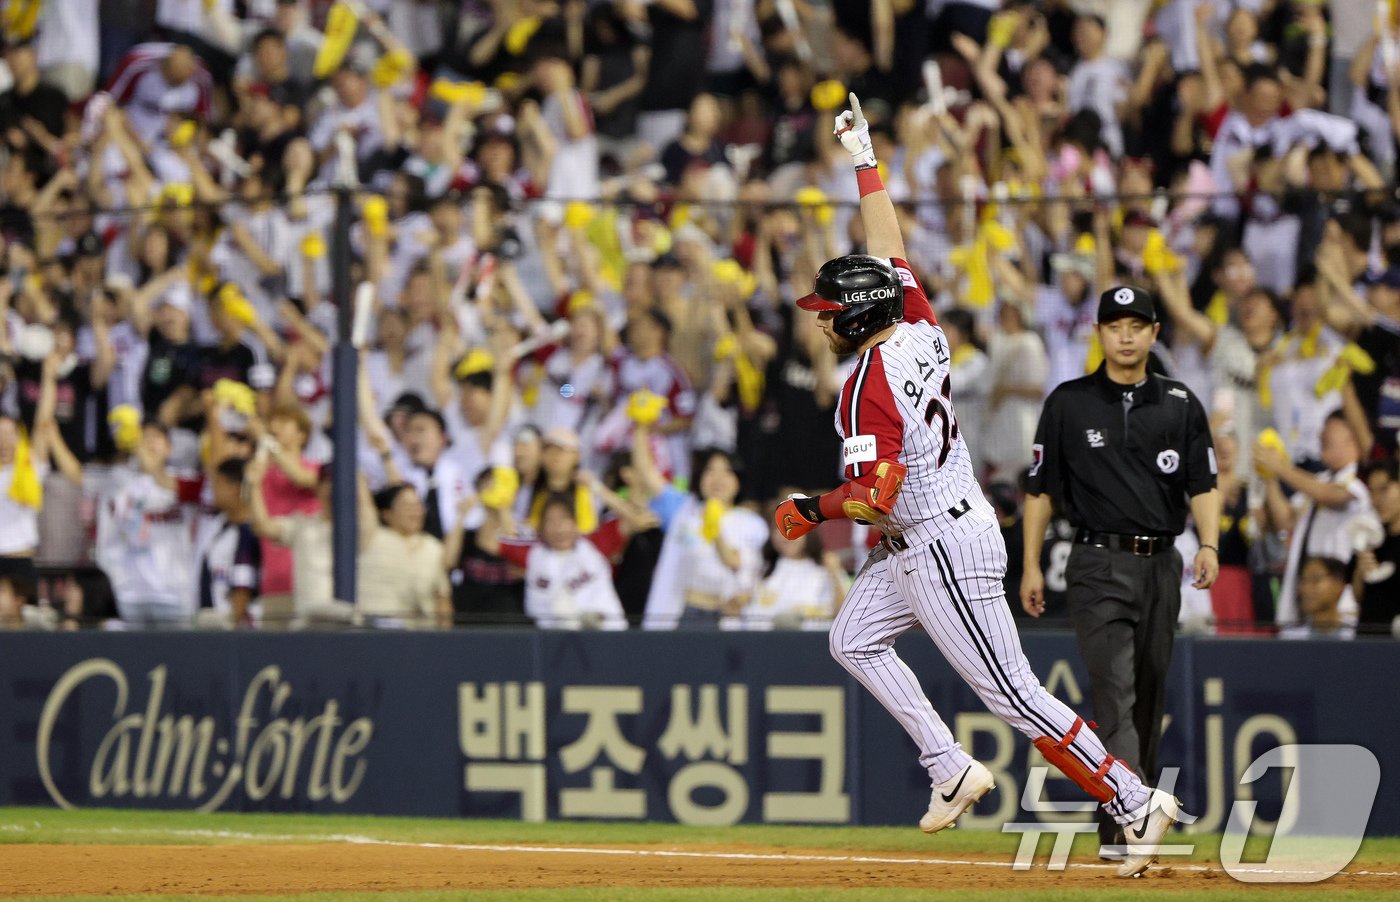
[583,382]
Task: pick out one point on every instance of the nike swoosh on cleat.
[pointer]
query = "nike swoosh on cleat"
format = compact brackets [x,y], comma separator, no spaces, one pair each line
[1143,832]
[949,797]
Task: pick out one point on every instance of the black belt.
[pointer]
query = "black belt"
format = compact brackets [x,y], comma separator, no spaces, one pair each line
[896,541]
[1142,546]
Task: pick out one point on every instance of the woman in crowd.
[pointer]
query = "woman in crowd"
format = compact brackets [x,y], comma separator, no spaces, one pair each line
[800,583]
[711,558]
[401,582]
[487,589]
[568,580]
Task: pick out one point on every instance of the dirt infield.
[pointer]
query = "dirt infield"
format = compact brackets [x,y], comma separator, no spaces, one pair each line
[32,869]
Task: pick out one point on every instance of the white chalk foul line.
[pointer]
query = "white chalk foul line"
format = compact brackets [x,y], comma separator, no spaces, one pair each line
[358,839]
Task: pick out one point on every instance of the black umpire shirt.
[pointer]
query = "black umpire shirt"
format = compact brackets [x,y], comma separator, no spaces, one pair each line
[1123,458]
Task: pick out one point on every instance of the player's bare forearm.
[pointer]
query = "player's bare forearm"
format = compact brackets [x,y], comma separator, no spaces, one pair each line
[1034,524]
[882,235]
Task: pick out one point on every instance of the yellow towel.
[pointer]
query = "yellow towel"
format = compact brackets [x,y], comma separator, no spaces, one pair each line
[472,93]
[731,273]
[239,308]
[1095,356]
[25,487]
[313,246]
[529,380]
[176,194]
[577,214]
[975,259]
[125,423]
[1157,256]
[749,380]
[499,493]
[391,67]
[727,270]
[239,397]
[828,95]
[1270,438]
[1351,359]
[519,35]
[711,519]
[476,361]
[375,212]
[644,407]
[183,134]
[1264,386]
[579,301]
[815,199]
[1307,348]
[21,16]
[602,233]
[585,513]
[341,24]
[1218,310]
[1001,29]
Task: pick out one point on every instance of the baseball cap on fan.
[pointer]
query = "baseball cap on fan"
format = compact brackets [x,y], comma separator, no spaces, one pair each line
[1125,300]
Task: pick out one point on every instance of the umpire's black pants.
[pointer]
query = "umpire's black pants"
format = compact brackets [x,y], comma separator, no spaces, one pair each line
[1124,608]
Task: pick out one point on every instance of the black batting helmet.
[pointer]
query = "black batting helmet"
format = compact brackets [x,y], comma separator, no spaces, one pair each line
[865,290]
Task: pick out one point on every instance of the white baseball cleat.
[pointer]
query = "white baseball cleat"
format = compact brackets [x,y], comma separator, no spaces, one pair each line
[952,797]
[1144,835]
[1115,850]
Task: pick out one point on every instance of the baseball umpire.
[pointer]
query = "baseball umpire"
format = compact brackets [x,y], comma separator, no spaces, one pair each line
[1123,453]
[941,562]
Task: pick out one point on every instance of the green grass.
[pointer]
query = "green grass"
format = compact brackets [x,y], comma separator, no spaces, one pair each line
[48,825]
[118,826]
[722,894]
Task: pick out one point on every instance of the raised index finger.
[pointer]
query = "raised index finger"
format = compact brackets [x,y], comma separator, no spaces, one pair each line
[858,118]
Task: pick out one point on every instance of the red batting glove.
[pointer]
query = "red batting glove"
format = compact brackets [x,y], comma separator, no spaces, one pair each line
[797,516]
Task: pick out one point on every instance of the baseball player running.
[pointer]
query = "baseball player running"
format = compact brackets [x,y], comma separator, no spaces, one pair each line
[941,560]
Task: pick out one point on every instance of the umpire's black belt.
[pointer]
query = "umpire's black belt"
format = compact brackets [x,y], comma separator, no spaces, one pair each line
[1142,546]
[897,542]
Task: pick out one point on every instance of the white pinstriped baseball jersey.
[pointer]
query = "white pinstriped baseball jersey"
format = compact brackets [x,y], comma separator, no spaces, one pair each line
[897,405]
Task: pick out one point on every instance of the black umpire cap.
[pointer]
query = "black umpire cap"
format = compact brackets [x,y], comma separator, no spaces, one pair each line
[1125,300]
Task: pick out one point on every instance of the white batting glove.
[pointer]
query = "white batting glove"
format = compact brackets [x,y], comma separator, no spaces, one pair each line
[854,133]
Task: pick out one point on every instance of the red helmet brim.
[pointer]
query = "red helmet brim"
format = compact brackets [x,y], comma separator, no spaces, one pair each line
[817,303]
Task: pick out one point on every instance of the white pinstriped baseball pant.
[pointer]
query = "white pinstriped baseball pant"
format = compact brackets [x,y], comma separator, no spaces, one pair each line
[953,587]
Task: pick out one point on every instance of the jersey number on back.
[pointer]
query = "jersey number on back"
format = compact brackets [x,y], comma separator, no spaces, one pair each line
[938,409]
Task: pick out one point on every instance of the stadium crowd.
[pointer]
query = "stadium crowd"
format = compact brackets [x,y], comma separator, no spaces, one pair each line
[583,383]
